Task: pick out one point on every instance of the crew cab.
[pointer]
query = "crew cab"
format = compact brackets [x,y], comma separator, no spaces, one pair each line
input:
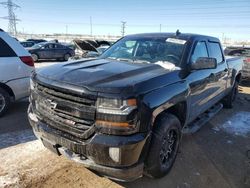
[123,114]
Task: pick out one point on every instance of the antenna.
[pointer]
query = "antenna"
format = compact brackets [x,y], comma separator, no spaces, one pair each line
[11,16]
[177,32]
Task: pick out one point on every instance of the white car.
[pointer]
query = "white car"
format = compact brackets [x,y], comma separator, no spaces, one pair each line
[16,66]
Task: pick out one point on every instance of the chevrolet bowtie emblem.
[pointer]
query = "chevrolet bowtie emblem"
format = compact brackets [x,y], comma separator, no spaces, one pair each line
[52,104]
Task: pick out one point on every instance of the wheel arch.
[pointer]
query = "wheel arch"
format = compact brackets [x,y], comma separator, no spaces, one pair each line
[8,89]
[179,110]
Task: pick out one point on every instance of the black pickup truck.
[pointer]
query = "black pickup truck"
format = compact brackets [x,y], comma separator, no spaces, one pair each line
[123,114]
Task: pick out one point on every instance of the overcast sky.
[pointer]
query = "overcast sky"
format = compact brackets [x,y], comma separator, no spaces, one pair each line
[211,17]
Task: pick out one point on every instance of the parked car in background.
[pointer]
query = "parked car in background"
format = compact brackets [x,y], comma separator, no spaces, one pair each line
[89,48]
[123,114]
[48,50]
[37,40]
[99,52]
[16,66]
[27,44]
[243,52]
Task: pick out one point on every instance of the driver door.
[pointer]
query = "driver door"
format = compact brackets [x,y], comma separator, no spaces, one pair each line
[201,83]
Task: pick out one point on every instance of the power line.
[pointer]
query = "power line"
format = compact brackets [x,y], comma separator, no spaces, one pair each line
[11,16]
[142,25]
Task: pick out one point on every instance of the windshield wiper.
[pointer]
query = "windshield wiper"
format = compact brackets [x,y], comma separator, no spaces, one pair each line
[141,61]
[113,58]
[124,59]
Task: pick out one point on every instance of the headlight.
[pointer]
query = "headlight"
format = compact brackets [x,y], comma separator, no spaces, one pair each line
[116,106]
[115,116]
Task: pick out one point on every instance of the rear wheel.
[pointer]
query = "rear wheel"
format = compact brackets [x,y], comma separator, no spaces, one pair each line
[229,100]
[34,57]
[4,101]
[164,146]
[66,57]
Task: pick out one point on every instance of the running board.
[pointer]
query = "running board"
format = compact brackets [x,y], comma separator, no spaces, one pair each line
[202,119]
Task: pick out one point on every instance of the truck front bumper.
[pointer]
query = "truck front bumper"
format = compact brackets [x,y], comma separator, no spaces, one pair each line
[124,164]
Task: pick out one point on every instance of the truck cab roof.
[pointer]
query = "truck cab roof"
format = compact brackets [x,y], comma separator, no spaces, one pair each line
[184,36]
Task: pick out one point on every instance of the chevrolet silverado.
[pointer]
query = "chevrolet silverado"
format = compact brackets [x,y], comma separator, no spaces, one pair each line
[123,114]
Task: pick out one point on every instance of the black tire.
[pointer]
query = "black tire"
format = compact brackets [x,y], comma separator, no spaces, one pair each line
[66,57]
[231,97]
[164,146]
[4,101]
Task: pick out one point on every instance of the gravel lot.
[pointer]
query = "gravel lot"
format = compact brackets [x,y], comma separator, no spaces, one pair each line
[216,156]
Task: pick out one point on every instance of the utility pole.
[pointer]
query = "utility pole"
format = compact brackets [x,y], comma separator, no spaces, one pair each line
[66,32]
[11,16]
[123,28]
[90,21]
[223,38]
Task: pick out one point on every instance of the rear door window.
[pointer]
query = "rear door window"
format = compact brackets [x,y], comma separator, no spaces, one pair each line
[58,46]
[6,50]
[215,51]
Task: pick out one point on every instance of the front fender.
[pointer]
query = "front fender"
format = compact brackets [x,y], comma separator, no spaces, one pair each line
[163,98]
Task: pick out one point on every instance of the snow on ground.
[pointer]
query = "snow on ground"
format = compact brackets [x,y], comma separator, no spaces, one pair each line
[238,124]
[14,158]
[13,138]
[31,165]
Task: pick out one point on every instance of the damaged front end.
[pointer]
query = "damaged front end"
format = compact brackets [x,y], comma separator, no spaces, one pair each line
[88,48]
[69,121]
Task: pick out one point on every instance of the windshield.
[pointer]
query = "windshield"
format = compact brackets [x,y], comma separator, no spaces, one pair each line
[39,45]
[147,49]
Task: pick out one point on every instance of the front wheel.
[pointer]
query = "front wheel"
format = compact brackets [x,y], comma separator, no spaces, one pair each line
[164,146]
[34,57]
[4,101]
[66,57]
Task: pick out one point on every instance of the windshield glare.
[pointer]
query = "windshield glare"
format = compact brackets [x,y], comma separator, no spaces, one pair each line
[148,50]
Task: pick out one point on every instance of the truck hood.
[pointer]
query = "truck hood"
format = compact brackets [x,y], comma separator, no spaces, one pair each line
[105,75]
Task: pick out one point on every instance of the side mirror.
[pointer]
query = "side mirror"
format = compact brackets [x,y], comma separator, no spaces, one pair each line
[204,63]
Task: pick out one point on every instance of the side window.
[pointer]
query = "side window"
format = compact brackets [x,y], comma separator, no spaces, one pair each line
[58,46]
[200,50]
[215,51]
[51,46]
[6,50]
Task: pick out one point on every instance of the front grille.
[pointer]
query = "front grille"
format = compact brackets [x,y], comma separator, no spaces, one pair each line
[66,112]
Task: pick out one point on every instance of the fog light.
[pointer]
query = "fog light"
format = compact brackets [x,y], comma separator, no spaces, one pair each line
[115,154]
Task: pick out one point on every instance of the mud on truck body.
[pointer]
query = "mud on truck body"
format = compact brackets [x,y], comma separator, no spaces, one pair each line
[123,114]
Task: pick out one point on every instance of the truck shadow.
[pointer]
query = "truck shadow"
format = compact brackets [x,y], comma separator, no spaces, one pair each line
[14,125]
